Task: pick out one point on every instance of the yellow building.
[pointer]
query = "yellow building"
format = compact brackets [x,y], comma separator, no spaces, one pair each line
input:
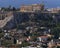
[31,8]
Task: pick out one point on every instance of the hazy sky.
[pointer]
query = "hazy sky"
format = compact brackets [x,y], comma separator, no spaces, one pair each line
[18,3]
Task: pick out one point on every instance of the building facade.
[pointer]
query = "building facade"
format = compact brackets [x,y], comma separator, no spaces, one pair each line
[32,8]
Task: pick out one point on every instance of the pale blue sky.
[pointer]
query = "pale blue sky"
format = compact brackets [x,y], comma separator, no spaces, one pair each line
[18,3]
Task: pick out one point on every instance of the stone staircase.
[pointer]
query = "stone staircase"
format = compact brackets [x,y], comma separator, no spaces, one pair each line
[4,22]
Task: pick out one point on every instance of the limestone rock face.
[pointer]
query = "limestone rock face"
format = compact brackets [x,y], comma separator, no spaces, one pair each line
[15,20]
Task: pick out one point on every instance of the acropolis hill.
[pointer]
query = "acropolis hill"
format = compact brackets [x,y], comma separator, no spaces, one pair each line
[9,19]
